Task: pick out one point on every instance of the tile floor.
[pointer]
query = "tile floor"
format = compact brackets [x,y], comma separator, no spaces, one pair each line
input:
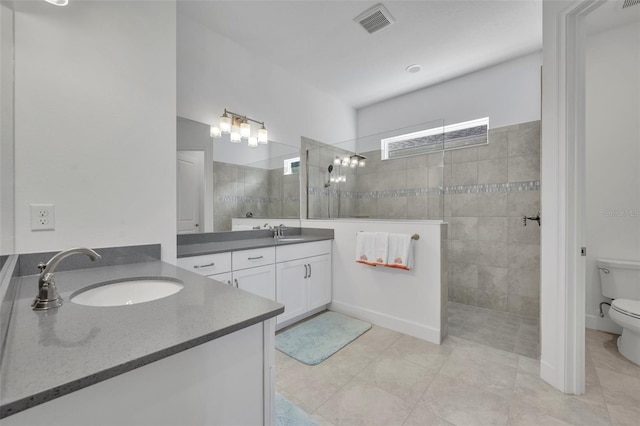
[502,330]
[387,378]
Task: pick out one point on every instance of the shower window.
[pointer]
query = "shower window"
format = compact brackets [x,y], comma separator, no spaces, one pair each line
[292,166]
[453,136]
[350,179]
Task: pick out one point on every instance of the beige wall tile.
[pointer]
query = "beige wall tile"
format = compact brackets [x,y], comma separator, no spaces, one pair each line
[463,274]
[525,140]
[463,205]
[522,305]
[492,253]
[463,228]
[493,171]
[492,228]
[496,148]
[521,203]
[464,173]
[524,256]
[518,233]
[524,168]
[492,204]
[464,155]
[493,279]
[524,282]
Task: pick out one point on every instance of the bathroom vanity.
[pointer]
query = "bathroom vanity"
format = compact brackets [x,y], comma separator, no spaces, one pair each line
[204,355]
[294,269]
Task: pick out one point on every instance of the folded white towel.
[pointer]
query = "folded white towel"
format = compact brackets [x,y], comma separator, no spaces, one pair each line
[372,248]
[400,251]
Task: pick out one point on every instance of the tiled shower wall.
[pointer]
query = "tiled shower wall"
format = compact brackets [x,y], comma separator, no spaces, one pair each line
[404,188]
[241,189]
[494,260]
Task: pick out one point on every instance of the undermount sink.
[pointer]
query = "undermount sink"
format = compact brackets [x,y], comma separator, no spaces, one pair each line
[286,239]
[127,291]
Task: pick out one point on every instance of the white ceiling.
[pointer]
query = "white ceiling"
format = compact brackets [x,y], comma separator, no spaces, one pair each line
[320,42]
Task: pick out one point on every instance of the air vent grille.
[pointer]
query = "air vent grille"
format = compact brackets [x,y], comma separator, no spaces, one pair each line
[375,19]
[629,3]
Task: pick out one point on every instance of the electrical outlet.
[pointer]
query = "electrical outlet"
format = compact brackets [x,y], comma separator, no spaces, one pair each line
[43,217]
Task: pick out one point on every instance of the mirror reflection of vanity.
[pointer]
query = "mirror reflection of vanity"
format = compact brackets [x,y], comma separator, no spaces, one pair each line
[219,180]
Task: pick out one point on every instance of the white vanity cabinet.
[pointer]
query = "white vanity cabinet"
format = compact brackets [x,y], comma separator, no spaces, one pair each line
[249,270]
[296,275]
[303,278]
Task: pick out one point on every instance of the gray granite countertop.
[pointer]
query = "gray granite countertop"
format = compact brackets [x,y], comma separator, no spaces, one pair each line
[52,353]
[197,249]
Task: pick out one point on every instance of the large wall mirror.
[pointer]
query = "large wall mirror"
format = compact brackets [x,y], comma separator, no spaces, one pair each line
[219,180]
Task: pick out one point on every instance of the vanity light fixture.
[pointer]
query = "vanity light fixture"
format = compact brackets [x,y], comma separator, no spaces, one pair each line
[58,2]
[237,127]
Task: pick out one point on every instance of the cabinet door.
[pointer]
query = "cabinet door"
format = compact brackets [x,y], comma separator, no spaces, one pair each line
[291,288]
[223,278]
[260,281]
[318,281]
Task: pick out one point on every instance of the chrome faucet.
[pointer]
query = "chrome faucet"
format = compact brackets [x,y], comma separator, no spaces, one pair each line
[279,231]
[48,296]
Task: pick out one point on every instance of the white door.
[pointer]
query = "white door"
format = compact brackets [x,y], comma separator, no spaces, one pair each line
[318,281]
[190,178]
[291,288]
[260,281]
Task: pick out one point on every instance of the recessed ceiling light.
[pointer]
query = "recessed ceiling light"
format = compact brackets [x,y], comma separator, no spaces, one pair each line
[414,68]
[58,2]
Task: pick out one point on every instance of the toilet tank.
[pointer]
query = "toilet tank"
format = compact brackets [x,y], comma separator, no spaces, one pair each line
[620,279]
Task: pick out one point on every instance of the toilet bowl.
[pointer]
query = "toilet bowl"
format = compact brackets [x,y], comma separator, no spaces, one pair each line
[626,313]
[620,281]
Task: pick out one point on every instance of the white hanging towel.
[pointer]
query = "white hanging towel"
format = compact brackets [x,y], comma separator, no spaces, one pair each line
[400,251]
[372,248]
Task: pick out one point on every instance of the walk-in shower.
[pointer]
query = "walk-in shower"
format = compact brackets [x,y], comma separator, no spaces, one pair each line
[481,190]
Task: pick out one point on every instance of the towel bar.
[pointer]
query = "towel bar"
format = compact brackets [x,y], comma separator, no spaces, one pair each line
[413,237]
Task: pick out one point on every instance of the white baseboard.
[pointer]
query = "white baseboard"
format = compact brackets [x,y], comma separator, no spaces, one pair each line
[300,317]
[602,324]
[549,374]
[430,334]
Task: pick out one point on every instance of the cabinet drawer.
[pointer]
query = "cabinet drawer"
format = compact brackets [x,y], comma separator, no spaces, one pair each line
[251,258]
[299,251]
[207,264]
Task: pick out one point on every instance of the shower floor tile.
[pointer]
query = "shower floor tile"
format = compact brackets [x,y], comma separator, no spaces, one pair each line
[501,330]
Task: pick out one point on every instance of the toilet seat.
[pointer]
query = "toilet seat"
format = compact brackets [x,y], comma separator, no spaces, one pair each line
[627,307]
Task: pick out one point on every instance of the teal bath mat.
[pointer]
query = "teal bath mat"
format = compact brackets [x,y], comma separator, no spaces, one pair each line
[288,414]
[315,340]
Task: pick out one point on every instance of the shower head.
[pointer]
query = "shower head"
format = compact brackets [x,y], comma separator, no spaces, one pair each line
[328,182]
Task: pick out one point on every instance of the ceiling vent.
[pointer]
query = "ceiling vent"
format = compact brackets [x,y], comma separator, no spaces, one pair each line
[375,19]
[629,3]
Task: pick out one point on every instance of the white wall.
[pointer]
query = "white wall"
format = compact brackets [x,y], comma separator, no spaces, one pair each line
[6,131]
[613,157]
[95,123]
[508,93]
[405,301]
[216,73]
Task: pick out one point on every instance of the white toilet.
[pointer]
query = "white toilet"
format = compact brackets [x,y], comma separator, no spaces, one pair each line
[620,281]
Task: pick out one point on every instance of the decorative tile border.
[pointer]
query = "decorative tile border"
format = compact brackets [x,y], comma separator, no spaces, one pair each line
[533,185]
[259,200]
[415,192]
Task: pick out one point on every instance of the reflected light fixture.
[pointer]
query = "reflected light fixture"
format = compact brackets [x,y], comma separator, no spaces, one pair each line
[238,128]
[353,161]
[58,2]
